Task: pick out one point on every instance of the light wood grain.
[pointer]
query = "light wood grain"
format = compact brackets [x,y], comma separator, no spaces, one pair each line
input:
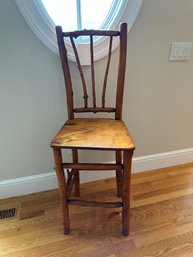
[162,228]
[93,133]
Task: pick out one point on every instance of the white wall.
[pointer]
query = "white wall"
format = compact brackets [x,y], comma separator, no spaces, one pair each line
[32,105]
[160,92]
[158,102]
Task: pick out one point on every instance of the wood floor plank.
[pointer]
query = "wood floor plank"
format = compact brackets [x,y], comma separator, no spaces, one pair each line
[163,197]
[161,220]
[178,246]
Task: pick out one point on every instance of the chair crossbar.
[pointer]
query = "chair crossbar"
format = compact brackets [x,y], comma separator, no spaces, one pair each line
[92,166]
[95,110]
[94,203]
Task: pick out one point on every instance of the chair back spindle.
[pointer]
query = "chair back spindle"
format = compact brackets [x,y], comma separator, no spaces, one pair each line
[122,34]
[85,96]
[107,72]
[92,71]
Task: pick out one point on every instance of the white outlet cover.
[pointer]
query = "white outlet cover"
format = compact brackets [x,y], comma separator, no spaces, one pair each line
[180,51]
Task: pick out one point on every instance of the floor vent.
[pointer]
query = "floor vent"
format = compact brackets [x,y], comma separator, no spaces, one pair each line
[6,214]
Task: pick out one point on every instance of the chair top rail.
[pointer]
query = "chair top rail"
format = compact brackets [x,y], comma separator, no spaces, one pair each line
[91,32]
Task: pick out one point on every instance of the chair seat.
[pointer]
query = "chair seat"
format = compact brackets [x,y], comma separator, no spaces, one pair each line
[97,133]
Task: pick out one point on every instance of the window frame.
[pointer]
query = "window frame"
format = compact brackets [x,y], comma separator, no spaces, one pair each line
[42,25]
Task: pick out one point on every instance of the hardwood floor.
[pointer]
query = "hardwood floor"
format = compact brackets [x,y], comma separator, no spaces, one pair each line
[161,220]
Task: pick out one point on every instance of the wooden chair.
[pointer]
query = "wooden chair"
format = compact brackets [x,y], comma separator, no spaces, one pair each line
[109,134]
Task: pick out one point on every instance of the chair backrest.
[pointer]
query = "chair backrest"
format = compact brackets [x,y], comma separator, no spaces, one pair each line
[122,34]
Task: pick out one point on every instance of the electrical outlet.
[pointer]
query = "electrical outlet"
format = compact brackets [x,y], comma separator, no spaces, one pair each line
[180,51]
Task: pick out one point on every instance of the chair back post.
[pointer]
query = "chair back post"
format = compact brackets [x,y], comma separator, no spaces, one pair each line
[121,71]
[66,71]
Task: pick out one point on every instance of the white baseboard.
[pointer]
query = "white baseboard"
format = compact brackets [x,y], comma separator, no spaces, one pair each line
[48,181]
[161,160]
[28,185]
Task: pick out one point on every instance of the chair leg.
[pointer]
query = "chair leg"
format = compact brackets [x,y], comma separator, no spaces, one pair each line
[76,176]
[127,158]
[119,173]
[62,188]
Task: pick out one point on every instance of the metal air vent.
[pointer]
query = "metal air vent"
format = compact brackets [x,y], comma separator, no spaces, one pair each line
[9,213]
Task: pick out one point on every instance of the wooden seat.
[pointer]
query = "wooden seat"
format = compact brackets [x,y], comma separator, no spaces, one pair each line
[93,133]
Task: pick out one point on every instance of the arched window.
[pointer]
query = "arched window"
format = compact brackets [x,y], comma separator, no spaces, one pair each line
[43,15]
[81,14]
